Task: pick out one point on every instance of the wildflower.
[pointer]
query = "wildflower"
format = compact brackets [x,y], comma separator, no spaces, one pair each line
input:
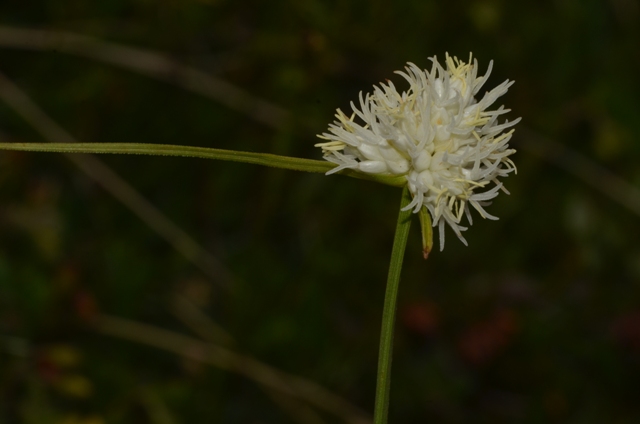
[444,141]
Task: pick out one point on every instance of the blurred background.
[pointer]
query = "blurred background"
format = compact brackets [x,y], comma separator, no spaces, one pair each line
[169,290]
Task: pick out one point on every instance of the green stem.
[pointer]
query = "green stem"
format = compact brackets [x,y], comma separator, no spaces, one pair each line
[389,312]
[265,159]
[276,161]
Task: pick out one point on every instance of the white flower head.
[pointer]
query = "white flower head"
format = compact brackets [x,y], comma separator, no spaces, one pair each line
[449,146]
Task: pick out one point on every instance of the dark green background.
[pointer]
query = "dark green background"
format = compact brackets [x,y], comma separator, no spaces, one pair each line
[537,321]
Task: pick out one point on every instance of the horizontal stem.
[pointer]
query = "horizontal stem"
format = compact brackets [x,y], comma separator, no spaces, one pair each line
[264,159]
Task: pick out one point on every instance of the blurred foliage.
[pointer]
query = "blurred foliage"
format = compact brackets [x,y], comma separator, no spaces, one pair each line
[537,321]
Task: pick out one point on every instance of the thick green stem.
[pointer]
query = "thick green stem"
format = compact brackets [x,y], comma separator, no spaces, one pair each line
[389,312]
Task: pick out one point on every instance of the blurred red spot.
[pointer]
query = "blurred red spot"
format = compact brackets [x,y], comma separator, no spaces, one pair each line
[85,305]
[483,341]
[420,317]
[46,369]
[626,330]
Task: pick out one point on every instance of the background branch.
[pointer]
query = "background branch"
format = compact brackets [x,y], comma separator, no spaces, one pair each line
[226,359]
[153,64]
[95,169]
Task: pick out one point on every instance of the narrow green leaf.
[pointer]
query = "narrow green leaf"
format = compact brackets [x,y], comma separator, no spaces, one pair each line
[264,159]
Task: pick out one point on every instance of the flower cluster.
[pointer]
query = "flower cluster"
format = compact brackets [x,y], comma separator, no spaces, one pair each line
[444,141]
